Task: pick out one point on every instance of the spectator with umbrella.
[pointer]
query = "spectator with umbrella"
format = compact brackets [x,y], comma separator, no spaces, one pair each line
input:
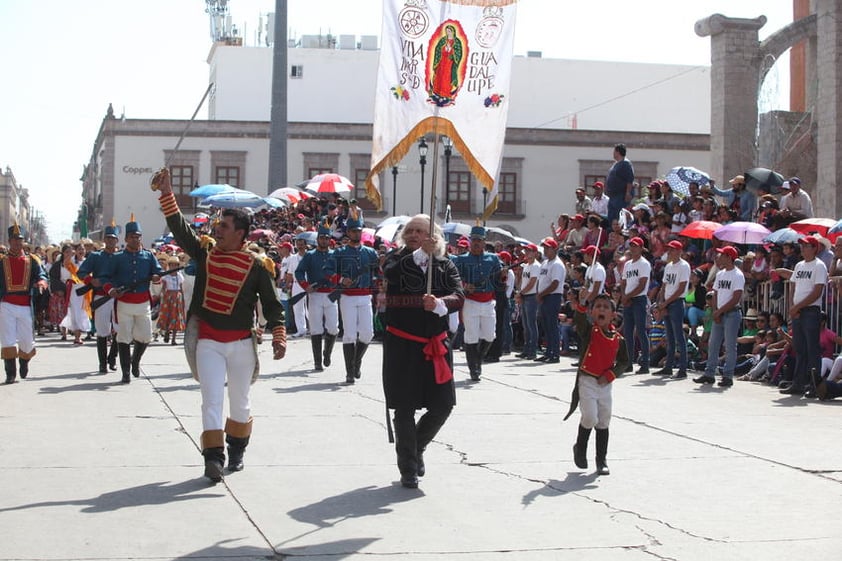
[738,197]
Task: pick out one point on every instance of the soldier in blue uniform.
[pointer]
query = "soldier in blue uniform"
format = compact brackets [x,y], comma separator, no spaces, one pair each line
[127,281]
[354,268]
[480,272]
[92,272]
[311,275]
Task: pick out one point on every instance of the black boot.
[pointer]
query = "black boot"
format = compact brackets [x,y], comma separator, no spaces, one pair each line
[11,372]
[602,451]
[349,353]
[406,446]
[329,341]
[316,342]
[473,360]
[214,460]
[102,354]
[112,355]
[139,349]
[236,449]
[361,348]
[125,360]
[23,364]
[580,449]
[425,431]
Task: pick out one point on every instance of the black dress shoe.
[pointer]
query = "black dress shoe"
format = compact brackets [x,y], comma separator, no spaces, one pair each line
[811,394]
[680,375]
[792,390]
[554,360]
[726,382]
[410,481]
[704,380]
[643,370]
[543,358]
[663,372]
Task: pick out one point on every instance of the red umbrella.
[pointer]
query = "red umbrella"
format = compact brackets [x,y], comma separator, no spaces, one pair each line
[290,194]
[700,229]
[259,233]
[329,183]
[808,225]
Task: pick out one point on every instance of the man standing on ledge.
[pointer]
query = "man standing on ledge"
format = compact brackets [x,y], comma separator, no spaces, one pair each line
[619,182]
[229,283]
[128,275]
[21,274]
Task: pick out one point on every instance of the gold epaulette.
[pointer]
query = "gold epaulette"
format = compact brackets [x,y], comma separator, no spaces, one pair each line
[206,241]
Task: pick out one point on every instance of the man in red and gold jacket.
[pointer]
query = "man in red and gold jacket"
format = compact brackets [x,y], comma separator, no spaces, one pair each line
[22,273]
[219,340]
[602,354]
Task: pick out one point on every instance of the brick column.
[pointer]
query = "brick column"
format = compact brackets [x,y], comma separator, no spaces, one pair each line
[735,68]
[827,201]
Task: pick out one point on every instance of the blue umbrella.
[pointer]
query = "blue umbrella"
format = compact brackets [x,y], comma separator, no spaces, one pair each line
[272,202]
[212,189]
[680,178]
[234,199]
[309,237]
[455,230]
[782,236]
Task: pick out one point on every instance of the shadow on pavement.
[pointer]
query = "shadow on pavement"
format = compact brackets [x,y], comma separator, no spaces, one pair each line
[149,494]
[99,386]
[316,387]
[219,551]
[365,501]
[575,481]
[339,549]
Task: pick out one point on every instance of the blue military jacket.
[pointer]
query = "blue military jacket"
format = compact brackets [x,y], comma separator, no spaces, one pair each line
[127,267]
[96,265]
[360,264]
[481,271]
[312,269]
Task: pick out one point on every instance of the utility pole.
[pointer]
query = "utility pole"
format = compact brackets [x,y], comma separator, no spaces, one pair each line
[278,129]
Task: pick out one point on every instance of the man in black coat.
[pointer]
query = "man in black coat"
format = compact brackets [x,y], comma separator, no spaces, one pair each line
[417,359]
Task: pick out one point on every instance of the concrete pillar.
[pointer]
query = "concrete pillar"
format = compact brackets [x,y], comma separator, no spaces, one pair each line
[734,82]
[828,202]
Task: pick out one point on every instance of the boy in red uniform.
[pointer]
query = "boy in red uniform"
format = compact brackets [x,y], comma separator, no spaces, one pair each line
[603,354]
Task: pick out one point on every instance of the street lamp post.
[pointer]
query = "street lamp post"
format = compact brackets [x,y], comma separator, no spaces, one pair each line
[484,203]
[422,150]
[394,188]
[448,150]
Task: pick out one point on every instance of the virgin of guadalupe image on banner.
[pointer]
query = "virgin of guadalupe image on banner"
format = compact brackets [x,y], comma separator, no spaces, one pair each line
[445,70]
[446,63]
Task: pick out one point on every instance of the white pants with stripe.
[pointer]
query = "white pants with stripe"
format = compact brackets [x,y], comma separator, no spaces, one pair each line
[16,329]
[357,319]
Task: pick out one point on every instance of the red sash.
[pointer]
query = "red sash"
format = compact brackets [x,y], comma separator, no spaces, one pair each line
[434,350]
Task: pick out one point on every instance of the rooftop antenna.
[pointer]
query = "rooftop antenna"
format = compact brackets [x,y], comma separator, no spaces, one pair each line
[219,19]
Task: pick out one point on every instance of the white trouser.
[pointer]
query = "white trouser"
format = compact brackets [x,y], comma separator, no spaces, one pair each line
[299,310]
[480,321]
[594,402]
[357,319]
[16,329]
[134,322]
[324,314]
[215,362]
[187,290]
[104,318]
[835,369]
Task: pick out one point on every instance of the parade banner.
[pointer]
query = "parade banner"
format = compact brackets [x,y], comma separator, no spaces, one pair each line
[445,68]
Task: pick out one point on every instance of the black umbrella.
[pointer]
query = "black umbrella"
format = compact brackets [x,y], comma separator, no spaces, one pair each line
[762,178]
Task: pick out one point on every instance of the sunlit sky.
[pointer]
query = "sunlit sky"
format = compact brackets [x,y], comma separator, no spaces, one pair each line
[64,62]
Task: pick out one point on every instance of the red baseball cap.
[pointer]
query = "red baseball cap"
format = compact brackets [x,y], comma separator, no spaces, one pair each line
[729,251]
[463,243]
[638,241]
[549,242]
[675,244]
[812,240]
[531,247]
[578,217]
[287,245]
[598,185]
[590,250]
[505,256]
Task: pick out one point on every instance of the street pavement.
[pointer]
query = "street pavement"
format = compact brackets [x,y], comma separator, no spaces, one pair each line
[93,469]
